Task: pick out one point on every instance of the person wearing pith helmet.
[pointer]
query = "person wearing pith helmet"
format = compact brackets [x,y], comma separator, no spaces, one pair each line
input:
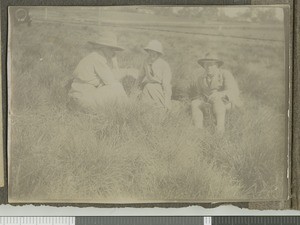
[95,80]
[155,78]
[218,89]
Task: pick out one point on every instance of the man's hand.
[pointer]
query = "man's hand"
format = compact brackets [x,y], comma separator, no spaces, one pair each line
[216,95]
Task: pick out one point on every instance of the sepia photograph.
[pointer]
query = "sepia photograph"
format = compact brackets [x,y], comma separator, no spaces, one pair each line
[148,104]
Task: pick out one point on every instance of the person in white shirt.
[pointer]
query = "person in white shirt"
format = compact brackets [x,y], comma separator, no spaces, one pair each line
[95,77]
[155,78]
[216,88]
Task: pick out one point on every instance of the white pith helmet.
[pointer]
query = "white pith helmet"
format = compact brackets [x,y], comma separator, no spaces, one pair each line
[155,45]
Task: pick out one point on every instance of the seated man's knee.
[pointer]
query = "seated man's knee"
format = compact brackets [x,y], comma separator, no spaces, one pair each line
[219,106]
[197,105]
[196,101]
[217,99]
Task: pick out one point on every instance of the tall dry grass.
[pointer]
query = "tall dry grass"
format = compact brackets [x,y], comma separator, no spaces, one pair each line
[131,153]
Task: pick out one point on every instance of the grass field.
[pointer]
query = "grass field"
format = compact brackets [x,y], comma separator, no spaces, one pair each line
[130,153]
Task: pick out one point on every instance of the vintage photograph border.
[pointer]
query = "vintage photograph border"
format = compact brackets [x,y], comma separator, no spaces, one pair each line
[292,67]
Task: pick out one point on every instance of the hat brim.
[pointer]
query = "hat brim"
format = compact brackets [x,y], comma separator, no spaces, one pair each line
[114,47]
[149,49]
[203,61]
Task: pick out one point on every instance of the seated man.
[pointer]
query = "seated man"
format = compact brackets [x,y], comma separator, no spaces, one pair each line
[155,78]
[95,77]
[218,89]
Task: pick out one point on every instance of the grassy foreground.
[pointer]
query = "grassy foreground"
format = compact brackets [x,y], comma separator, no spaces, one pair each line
[130,153]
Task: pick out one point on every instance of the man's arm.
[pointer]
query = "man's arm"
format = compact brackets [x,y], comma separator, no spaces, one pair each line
[140,77]
[231,89]
[105,74]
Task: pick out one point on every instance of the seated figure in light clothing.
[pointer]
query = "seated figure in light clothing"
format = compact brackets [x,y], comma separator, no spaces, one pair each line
[155,78]
[218,89]
[96,77]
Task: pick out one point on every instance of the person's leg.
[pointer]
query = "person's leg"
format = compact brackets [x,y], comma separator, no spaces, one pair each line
[219,110]
[82,95]
[197,113]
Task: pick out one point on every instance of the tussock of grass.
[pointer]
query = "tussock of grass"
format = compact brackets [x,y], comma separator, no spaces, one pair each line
[130,152]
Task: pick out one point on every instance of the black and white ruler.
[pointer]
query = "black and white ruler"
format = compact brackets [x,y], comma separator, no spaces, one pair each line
[151,220]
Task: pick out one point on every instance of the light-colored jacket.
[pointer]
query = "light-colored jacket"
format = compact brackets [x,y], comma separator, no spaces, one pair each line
[224,82]
[94,70]
[95,83]
[155,80]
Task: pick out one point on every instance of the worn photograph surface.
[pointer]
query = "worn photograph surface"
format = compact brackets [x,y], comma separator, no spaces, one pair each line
[1,133]
[147,104]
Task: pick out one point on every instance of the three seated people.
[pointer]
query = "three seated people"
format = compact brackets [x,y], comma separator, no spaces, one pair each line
[96,81]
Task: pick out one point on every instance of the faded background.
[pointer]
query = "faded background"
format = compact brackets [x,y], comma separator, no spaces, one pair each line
[125,154]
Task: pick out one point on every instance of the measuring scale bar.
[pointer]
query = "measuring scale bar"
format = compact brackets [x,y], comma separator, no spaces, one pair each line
[151,220]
